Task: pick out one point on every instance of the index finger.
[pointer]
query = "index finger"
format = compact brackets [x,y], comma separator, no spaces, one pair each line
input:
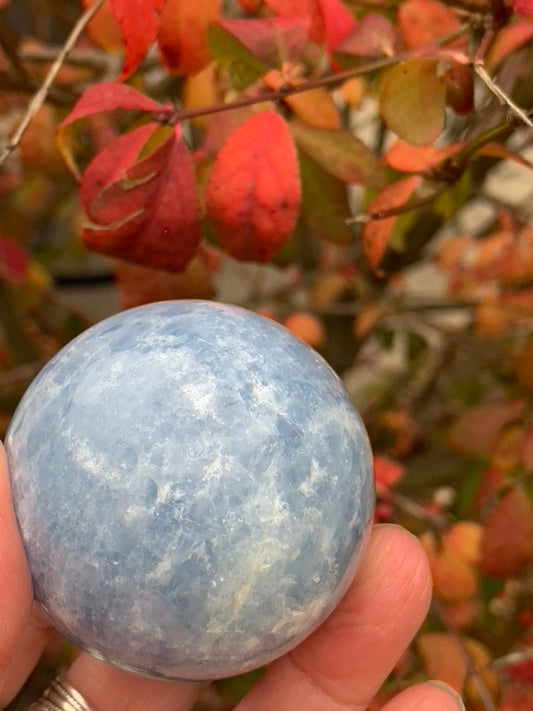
[15,582]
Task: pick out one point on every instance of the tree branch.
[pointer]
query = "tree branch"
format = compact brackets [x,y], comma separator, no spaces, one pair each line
[40,97]
[319,82]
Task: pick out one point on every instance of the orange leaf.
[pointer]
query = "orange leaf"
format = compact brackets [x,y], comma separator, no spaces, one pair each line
[139,29]
[453,577]
[445,658]
[307,328]
[406,158]
[423,21]
[376,234]
[507,541]
[442,658]
[253,191]
[315,107]
[182,34]
[507,41]
[201,90]
[103,29]
[464,539]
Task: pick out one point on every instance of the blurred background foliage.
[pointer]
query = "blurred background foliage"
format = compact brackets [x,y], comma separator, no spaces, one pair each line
[433,338]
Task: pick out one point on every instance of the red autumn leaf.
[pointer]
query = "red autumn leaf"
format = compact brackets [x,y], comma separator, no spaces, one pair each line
[14,261]
[476,430]
[377,233]
[149,214]
[521,671]
[496,150]
[219,129]
[523,7]
[109,96]
[516,699]
[460,88]
[182,35]
[406,158]
[374,36]
[139,285]
[272,41]
[338,21]
[508,40]
[304,8]
[138,22]
[331,21]
[113,162]
[507,542]
[387,473]
[253,191]
[421,22]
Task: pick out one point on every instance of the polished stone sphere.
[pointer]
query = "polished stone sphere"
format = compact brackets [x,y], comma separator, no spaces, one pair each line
[193,488]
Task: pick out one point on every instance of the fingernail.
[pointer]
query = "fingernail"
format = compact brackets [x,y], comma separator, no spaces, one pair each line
[451,692]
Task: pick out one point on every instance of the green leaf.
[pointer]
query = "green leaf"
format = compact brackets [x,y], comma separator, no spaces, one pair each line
[411,100]
[231,56]
[325,206]
[341,155]
[451,200]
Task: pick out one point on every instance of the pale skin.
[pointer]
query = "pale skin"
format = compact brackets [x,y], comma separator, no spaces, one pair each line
[338,668]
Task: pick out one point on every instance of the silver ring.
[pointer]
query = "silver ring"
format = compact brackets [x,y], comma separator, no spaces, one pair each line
[60,696]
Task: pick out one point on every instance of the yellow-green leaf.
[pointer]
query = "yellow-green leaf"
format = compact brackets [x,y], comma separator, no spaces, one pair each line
[341,155]
[412,100]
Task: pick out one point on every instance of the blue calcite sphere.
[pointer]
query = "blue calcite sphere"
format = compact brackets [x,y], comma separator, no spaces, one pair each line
[193,487]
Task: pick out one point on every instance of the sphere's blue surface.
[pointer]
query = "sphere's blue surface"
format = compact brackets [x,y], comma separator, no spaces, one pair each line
[193,488]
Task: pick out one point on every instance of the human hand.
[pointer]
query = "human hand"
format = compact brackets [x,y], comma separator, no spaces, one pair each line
[340,667]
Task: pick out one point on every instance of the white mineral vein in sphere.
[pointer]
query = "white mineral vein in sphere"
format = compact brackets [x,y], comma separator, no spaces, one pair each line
[193,489]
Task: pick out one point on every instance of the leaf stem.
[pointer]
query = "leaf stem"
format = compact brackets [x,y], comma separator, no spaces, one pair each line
[40,97]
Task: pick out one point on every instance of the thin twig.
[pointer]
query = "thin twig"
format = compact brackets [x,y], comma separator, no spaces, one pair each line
[414,204]
[503,98]
[516,657]
[40,97]
[478,64]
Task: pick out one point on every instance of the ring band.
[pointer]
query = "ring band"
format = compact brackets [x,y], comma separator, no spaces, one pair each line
[60,696]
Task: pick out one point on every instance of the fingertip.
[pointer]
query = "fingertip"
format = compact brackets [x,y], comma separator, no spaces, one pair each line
[15,582]
[430,696]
